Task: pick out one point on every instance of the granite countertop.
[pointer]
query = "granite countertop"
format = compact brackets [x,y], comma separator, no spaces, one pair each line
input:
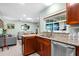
[29,35]
[70,42]
[66,41]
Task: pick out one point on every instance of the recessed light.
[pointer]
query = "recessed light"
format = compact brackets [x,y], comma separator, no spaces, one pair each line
[29,18]
[24,15]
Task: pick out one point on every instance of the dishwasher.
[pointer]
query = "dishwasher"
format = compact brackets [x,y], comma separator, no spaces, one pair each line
[61,49]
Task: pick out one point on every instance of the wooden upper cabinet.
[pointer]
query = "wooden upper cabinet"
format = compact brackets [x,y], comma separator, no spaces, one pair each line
[72,13]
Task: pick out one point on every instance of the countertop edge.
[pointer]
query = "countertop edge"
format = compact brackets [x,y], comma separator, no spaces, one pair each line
[52,39]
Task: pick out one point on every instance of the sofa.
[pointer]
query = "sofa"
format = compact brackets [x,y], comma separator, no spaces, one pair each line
[1,41]
[10,40]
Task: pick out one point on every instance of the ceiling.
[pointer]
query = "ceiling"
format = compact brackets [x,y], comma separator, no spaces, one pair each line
[21,11]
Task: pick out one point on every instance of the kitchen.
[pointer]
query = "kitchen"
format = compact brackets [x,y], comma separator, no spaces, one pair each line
[54,31]
[61,32]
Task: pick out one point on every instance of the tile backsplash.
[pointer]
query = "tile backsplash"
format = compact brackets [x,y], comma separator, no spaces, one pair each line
[74,32]
[60,36]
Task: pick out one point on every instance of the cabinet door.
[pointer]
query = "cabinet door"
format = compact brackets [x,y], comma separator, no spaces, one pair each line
[72,13]
[46,48]
[39,46]
[28,46]
[43,46]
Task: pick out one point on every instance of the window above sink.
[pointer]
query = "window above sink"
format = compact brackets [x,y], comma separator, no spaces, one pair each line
[57,23]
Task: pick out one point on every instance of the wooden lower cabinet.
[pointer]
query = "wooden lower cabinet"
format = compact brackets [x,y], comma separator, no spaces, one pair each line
[37,44]
[44,47]
[45,50]
[77,50]
[28,45]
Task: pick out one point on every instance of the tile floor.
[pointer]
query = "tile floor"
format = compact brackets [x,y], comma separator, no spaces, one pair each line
[14,50]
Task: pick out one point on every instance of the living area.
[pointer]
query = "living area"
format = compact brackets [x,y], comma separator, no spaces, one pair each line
[15,20]
[10,36]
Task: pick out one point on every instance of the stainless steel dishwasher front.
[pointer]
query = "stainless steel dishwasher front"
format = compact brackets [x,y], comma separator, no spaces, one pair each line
[61,49]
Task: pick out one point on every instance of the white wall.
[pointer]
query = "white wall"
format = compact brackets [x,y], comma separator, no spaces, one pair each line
[42,25]
[18,24]
[53,9]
